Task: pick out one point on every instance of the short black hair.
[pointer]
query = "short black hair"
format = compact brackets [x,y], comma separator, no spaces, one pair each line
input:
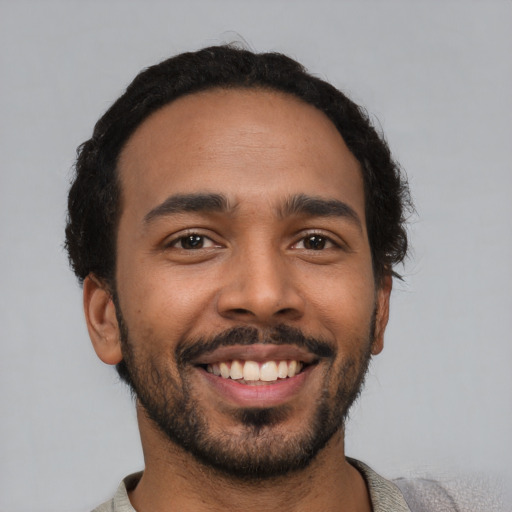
[94,201]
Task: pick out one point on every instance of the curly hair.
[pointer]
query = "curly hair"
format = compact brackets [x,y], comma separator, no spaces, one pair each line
[94,201]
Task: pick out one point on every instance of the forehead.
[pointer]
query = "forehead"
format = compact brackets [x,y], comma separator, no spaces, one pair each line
[243,143]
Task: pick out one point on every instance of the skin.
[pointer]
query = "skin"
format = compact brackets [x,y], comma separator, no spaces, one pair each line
[258,149]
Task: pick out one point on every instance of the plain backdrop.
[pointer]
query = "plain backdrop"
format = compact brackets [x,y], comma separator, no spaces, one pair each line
[436,76]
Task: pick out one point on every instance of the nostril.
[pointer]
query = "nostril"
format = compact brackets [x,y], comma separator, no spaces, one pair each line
[290,313]
[241,311]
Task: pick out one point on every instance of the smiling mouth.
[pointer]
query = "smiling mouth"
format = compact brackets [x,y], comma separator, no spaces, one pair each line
[256,373]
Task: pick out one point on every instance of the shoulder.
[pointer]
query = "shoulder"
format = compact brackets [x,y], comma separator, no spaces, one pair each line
[461,494]
[454,494]
[423,495]
[120,502]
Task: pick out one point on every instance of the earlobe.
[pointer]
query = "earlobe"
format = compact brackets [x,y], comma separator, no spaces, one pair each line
[100,315]
[382,316]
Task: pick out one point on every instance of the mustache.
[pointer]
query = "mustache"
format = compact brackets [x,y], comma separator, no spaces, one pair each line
[188,351]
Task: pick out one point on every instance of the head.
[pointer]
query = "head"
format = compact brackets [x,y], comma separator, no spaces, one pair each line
[229,207]
[95,199]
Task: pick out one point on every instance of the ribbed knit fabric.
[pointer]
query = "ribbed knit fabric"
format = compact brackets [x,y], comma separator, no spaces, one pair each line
[384,494]
[461,494]
[120,502]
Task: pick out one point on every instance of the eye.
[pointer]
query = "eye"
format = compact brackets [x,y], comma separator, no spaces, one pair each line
[192,242]
[315,242]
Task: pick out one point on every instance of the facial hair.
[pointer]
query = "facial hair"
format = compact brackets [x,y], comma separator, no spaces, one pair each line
[260,449]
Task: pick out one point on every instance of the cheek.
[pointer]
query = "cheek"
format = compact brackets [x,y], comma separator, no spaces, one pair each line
[345,304]
[159,299]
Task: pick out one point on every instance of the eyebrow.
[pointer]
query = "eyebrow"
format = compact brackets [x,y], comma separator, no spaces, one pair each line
[302,204]
[182,203]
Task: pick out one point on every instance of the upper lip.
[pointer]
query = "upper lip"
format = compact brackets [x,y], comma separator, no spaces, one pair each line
[257,352]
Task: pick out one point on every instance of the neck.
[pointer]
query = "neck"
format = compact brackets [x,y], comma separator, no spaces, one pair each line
[174,480]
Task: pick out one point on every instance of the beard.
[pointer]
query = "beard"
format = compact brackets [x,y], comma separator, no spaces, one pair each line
[261,448]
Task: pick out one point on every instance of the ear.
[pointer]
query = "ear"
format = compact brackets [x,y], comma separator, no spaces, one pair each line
[100,315]
[381,320]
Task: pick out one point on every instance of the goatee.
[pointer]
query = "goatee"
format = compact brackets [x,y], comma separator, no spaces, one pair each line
[261,448]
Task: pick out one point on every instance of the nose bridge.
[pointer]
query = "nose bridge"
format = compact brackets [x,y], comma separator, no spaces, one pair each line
[260,286]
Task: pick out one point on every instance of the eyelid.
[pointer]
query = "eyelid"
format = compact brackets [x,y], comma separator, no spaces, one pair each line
[174,239]
[207,243]
[335,241]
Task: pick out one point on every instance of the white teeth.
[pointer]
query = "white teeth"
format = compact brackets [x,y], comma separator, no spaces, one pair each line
[251,371]
[292,367]
[224,370]
[237,370]
[282,370]
[268,371]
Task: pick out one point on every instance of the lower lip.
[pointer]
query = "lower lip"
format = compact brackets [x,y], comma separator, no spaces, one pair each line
[260,395]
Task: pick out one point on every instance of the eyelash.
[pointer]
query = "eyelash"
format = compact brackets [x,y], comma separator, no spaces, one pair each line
[188,236]
[323,240]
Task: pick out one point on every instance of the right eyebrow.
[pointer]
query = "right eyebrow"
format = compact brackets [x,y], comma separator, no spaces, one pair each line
[181,203]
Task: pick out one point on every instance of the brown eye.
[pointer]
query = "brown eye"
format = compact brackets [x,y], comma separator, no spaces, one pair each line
[315,242]
[190,242]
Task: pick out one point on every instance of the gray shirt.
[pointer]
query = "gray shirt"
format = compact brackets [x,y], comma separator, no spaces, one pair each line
[384,494]
[401,495]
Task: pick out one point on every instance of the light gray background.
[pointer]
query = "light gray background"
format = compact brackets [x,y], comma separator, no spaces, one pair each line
[437,75]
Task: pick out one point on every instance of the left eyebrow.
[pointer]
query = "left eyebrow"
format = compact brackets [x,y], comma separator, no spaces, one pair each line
[302,204]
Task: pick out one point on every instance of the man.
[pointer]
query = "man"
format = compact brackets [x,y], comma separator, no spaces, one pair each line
[235,223]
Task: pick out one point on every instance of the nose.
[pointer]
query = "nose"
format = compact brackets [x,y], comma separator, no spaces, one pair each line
[260,288]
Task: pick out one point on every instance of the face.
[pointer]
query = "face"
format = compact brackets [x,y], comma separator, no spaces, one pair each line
[245,294]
